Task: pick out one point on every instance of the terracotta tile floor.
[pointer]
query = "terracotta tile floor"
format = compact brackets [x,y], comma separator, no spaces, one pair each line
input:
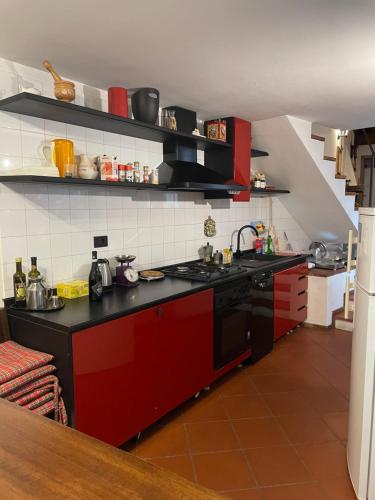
[272,431]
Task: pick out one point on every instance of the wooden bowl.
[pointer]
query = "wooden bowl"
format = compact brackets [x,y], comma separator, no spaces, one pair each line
[64,90]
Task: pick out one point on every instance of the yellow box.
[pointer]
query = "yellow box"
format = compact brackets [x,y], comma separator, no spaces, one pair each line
[73,289]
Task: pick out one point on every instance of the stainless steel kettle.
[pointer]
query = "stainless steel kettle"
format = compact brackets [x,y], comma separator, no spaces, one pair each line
[105,271]
[36,297]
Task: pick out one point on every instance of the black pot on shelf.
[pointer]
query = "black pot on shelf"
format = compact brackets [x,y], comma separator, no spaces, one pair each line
[145,105]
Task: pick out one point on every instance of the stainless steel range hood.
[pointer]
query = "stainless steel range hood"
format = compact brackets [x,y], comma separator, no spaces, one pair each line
[192,176]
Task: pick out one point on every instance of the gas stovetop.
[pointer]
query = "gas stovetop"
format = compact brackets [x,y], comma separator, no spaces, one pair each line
[198,271]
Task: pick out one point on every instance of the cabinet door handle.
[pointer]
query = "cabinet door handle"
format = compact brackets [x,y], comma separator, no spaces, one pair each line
[300,308]
[301,293]
[301,277]
[160,311]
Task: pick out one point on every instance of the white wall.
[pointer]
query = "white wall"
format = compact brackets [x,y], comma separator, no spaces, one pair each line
[317,200]
[330,136]
[57,223]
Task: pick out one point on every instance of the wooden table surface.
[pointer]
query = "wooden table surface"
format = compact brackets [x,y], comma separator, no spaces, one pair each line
[42,459]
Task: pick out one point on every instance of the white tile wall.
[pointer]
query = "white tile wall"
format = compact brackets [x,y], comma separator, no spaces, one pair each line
[57,224]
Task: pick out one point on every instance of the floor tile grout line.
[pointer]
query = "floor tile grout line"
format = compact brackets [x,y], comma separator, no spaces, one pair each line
[189,452]
[326,350]
[269,486]
[242,450]
[212,452]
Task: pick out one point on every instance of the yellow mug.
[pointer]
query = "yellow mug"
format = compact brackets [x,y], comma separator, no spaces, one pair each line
[60,152]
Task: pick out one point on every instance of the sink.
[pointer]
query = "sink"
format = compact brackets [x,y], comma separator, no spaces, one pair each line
[255,260]
[262,257]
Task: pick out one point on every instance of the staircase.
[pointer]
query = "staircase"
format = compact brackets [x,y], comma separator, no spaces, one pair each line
[318,199]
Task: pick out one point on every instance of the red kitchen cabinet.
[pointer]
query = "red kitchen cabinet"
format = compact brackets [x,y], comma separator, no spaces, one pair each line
[175,358]
[105,382]
[290,299]
[129,372]
[186,345]
[233,163]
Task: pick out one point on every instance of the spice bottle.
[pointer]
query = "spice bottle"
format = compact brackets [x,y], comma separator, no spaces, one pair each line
[146,176]
[129,172]
[137,172]
[121,172]
[155,176]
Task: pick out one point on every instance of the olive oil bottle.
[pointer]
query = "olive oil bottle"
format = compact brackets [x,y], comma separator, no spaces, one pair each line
[33,273]
[19,284]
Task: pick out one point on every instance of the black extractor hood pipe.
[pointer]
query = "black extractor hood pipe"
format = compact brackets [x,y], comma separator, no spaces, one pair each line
[181,171]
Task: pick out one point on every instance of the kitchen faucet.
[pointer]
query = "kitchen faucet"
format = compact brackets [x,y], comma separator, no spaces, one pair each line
[238,251]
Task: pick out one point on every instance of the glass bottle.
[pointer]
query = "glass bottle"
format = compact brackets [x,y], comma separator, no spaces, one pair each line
[269,245]
[154,177]
[95,280]
[136,172]
[33,273]
[19,284]
[172,122]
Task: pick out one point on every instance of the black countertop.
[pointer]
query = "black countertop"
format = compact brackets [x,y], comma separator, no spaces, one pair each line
[81,313]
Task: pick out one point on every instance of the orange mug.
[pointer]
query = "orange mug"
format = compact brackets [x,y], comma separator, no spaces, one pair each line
[60,152]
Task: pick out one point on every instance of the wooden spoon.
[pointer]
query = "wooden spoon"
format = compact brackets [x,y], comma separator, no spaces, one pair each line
[49,68]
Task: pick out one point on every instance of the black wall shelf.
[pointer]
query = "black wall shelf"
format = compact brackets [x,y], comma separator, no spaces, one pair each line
[267,192]
[256,153]
[52,109]
[75,181]
[131,185]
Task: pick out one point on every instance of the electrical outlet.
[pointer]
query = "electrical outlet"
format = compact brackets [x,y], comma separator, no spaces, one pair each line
[100,241]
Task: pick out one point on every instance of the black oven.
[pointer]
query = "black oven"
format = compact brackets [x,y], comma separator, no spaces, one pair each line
[243,318]
[232,321]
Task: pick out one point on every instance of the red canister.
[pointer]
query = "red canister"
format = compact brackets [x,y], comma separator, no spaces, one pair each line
[118,101]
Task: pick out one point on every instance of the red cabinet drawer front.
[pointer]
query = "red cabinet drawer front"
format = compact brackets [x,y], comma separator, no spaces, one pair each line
[300,300]
[301,284]
[299,315]
[293,279]
[290,292]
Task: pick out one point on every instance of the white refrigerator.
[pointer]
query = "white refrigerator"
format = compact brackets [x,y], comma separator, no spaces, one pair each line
[361,434]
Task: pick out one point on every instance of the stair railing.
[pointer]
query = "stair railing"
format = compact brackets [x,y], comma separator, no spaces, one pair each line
[364,131]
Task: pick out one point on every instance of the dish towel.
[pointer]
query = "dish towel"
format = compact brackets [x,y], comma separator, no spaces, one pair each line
[26,379]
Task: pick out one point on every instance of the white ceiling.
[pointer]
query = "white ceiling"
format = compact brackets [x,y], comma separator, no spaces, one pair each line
[314,59]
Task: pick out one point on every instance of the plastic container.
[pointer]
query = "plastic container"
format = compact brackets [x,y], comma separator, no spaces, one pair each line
[118,101]
[73,289]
